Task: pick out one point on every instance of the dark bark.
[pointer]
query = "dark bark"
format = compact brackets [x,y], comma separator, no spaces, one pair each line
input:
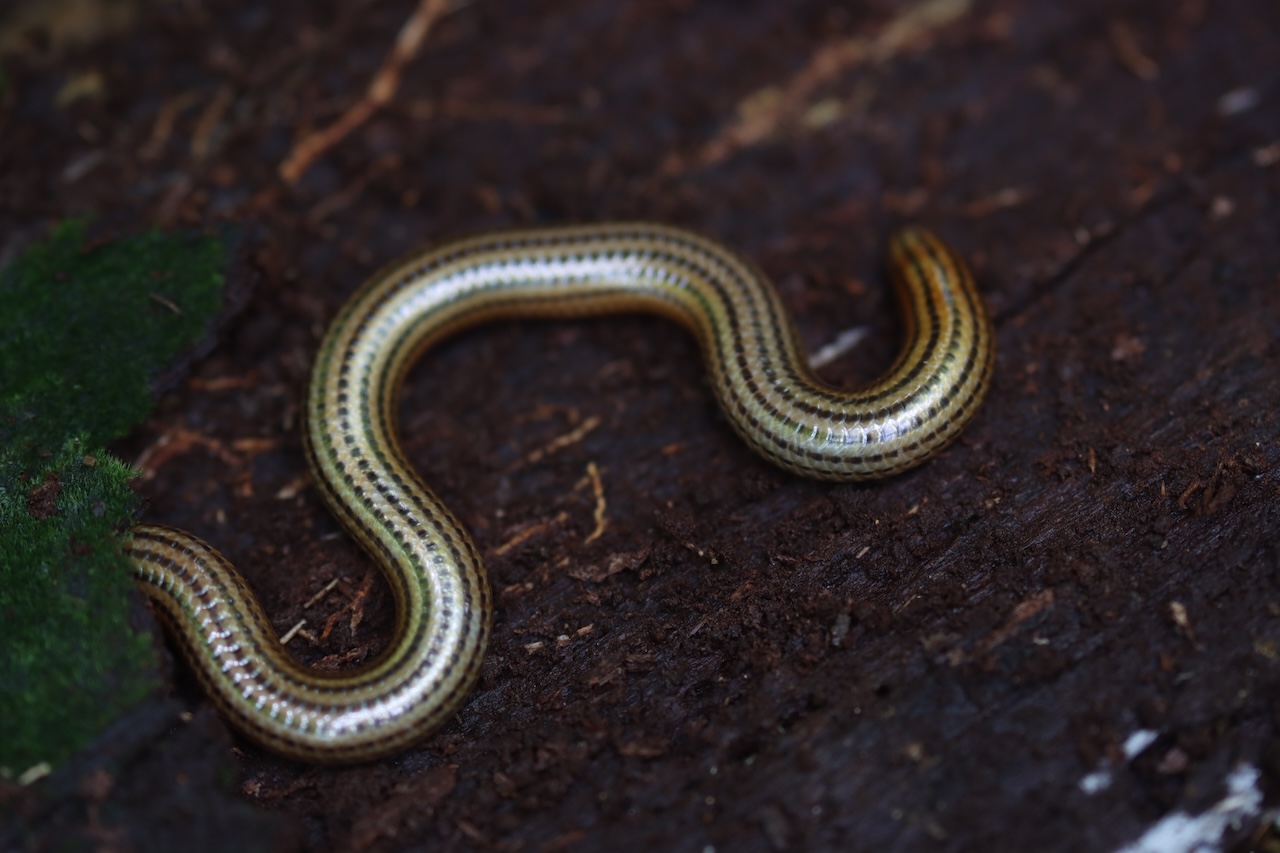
[745,660]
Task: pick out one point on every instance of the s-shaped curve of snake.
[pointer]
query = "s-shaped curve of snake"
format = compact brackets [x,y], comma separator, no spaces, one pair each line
[442,599]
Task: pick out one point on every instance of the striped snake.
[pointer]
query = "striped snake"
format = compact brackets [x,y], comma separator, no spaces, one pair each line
[442,599]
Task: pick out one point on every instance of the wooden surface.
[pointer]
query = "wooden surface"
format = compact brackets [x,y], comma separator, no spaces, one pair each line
[966,657]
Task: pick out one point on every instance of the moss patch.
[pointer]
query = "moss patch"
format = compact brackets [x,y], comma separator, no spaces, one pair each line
[82,331]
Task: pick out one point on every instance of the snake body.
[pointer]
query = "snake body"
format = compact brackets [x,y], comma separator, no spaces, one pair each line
[442,599]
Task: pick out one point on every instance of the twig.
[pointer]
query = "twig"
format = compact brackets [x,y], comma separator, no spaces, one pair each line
[380,92]
[772,108]
[597,488]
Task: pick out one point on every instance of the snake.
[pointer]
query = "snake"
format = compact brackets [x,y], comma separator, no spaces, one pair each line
[443,603]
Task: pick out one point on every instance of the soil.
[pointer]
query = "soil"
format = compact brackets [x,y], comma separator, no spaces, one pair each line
[1061,634]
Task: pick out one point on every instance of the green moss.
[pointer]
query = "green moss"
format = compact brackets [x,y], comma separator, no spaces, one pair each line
[87,329]
[82,331]
[71,661]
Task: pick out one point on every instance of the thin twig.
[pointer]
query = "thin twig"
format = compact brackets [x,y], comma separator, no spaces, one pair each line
[380,92]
